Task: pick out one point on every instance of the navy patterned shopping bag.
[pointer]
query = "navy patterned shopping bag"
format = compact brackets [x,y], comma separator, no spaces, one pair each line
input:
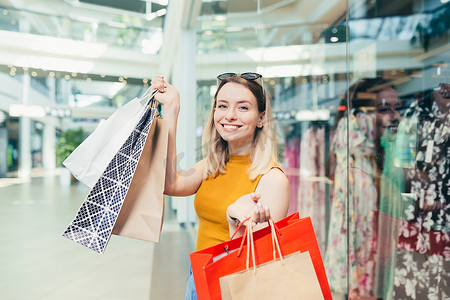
[98,213]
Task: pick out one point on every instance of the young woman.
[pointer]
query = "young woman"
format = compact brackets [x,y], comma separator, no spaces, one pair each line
[238,176]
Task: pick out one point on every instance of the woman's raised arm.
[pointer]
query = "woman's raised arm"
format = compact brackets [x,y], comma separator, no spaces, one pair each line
[182,182]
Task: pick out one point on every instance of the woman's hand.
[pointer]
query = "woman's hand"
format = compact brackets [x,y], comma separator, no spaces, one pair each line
[248,206]
[168,95]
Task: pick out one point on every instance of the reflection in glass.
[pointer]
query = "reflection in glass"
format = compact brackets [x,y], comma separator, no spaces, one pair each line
[358,146]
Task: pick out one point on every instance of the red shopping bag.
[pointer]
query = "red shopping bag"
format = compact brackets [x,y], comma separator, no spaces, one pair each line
[209,264]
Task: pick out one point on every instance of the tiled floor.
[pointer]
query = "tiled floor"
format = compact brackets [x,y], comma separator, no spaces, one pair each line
[37,263]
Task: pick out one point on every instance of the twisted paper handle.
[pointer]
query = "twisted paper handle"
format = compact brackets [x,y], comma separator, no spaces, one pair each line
[248,234]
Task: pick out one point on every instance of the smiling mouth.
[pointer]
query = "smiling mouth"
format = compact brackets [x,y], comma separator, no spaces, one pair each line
[393,128]
[230,127]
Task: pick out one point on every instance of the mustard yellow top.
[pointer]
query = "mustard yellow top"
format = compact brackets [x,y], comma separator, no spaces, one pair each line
[216,194]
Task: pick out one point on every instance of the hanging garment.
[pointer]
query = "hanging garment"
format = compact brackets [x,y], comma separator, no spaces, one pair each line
[392,185]
[423,251]
[360,200]
[312,188]
[97,215]
[291,163]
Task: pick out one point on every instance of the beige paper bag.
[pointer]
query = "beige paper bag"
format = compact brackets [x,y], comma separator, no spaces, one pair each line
[142,212]
[295,278]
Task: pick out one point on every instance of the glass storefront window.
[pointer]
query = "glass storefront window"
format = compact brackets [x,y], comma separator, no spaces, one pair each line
[361,100]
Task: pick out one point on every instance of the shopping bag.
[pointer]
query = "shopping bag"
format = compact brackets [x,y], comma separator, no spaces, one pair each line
[209,264]
[142,212]
[88,161]
[93,224]
[288,277]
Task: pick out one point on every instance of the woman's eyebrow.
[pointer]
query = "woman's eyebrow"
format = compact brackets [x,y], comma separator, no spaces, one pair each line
[239,101]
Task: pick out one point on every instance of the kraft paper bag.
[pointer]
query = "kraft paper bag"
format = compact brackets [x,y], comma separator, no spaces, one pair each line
[142,212]
[295,278]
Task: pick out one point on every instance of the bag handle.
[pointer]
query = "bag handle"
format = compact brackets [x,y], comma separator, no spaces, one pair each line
[248,234]
[149,98]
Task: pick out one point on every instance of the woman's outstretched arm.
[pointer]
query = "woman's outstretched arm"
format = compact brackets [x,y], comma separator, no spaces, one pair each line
[271,199]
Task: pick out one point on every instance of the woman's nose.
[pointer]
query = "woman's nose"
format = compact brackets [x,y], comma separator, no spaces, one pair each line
[395,115]
[231,114]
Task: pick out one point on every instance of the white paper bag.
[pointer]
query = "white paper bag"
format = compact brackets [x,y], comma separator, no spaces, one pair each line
[88,161]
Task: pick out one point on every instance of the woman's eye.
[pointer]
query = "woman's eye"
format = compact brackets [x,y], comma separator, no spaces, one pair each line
[221,106]
[383,110]
[243,108]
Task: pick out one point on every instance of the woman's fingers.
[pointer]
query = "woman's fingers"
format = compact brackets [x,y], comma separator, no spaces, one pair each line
[158,83]
[249,206]
[261,213]
[255,196]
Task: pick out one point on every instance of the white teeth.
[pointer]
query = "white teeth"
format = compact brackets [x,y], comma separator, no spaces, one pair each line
[229,127]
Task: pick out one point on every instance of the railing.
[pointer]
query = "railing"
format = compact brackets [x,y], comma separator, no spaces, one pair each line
[124,32]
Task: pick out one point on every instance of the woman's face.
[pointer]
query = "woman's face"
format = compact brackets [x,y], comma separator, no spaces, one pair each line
[387,114]
[236,117]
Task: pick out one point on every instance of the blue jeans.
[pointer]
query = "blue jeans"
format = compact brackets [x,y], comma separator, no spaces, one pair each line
[191,293]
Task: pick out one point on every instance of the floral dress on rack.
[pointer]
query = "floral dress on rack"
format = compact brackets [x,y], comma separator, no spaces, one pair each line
[423,251]
[312,193]
[360,222]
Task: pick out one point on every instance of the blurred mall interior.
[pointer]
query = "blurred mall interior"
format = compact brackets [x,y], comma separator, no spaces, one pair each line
[377,193]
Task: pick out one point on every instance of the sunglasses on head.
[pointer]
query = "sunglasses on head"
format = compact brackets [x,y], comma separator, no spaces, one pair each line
[247,76]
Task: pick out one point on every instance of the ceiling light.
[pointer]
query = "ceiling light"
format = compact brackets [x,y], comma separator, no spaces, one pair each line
[67,77]
[234,29]
[51,74]
[161,12]
[161,2]
[313,115]
[334,39]
[34,73]
[117,24]
[21,110]
[220,18]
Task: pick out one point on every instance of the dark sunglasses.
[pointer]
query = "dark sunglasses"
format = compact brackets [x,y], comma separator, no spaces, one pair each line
[246,75]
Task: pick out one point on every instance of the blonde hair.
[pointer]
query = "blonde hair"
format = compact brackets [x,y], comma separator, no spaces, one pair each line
[263,153]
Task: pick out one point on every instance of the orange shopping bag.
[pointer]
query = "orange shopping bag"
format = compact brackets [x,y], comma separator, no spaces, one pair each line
[210,264]
[288,277]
